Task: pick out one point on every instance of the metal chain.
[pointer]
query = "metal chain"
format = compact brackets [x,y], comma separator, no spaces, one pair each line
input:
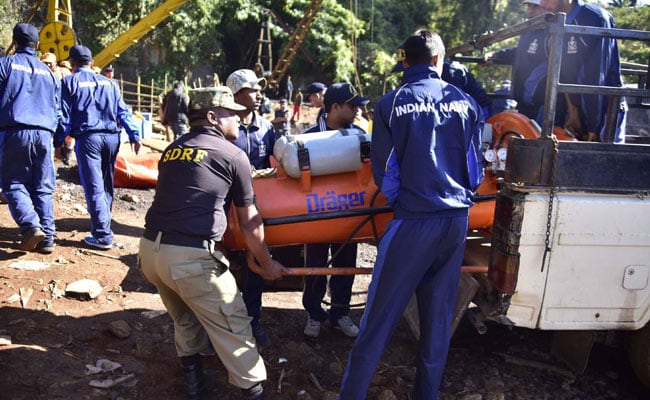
[551,197]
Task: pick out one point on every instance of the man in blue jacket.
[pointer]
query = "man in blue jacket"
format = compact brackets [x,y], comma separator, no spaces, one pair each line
[529,60]
[92,106]
[29,103]
[588,60]
[426,159]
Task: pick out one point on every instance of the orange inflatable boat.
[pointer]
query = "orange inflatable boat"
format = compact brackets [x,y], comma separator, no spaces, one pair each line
[322,190]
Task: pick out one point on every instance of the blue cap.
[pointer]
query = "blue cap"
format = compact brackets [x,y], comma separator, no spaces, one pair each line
[343,93]
[25,34]
[316,87]
[81,54]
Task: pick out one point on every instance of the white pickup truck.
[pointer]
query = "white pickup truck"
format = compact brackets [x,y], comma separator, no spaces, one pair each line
[570,245]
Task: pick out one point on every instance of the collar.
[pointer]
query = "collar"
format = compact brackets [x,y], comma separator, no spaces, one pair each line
[254,122]
[206,130]
[418,72]
[26,49]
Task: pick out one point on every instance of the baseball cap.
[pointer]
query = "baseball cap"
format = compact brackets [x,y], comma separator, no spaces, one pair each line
[506,82]
[343,92]
[245,78]
[283,100]
[536,2]
[81,54]
[48,58]
[316,87]
[212,97]
[24,34]
[108,68]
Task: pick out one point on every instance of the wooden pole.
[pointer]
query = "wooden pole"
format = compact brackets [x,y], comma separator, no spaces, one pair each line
[307,271]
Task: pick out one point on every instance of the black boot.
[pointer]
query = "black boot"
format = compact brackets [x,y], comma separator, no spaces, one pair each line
[194,379]
[255,392]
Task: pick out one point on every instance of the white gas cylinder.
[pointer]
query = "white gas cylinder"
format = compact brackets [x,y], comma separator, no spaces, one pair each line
[330,152]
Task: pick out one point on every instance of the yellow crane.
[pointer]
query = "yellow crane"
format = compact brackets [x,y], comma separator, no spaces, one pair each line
[131,36]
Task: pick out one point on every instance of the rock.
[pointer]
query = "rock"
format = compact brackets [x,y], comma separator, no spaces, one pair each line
[29,265]
[472,396]
[387,395]
[120,329]
[335,368]
[378,380]
[84,289]
[495,396]
[328,395]
[131,198]
[303,395]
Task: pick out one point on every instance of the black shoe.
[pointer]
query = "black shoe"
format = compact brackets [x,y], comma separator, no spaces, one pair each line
[31,238]
[261,338]
[194,380]
[44,248]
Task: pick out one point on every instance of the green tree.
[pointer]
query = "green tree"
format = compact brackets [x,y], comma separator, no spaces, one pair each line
[11,12]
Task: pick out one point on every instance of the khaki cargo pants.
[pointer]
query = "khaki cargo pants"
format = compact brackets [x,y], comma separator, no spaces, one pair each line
[202,298]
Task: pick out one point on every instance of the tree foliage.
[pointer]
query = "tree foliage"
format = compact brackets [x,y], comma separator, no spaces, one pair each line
[355,41]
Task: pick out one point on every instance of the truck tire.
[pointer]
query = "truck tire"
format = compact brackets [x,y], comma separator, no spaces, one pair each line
[639,354]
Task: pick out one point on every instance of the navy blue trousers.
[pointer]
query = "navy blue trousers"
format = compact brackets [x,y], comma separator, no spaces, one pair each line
[96,157]
[28,179]
[340,286]
[421,256]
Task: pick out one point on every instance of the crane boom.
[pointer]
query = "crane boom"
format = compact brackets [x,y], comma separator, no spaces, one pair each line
[138,30]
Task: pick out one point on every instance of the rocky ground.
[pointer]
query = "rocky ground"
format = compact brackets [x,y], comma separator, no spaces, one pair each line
[49,341]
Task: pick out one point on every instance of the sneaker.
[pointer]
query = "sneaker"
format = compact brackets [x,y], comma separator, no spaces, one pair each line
[345,325]
[92,242]
[312,329]
[31,238]
[261,338]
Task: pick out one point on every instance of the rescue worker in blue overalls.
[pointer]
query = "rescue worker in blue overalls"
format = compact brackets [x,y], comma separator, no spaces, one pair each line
[426,159]
[92,106]
[588,60]
[29,105]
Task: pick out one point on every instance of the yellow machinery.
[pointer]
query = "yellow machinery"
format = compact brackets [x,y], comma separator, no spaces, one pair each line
[138,30]
[57,35]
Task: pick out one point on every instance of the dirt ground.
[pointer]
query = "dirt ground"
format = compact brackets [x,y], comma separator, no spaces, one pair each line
[54,337]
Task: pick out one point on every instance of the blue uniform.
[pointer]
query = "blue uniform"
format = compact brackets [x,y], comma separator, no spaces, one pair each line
[591,60]
[256,140]
[458,75]
[426,159]
[29,103]
[529,62]
[92,106]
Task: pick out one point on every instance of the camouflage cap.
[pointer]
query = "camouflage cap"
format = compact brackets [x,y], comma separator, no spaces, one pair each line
[212,97]
[245,78]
